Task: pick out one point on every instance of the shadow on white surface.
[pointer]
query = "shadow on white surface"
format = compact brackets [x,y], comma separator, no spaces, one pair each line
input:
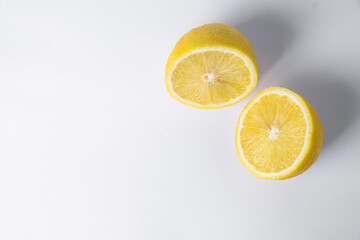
[270,36]
[332,98]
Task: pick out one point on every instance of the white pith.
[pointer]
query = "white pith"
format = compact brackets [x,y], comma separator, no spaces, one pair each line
[273,133]
[208,77]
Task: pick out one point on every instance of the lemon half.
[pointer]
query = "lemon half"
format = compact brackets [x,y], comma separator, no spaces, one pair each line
[278,135]
[211,66]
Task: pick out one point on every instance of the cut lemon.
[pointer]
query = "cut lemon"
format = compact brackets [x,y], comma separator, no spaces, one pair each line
[278,135]
[211,66]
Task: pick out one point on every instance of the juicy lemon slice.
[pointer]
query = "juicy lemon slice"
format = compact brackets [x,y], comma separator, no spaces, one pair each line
[211,66]
[278,135]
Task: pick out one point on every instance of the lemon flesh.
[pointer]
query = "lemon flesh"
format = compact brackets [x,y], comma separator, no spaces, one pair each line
[212,66]
[279,134]
[211,78]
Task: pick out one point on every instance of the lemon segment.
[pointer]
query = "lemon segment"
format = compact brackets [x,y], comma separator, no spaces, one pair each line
[212,66]
[279,134]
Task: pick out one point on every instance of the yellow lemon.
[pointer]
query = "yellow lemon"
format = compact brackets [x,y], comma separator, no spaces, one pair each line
[278,135]
[211,66]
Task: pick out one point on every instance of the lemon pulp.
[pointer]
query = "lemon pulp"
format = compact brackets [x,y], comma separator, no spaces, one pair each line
[210,77]
[279,134]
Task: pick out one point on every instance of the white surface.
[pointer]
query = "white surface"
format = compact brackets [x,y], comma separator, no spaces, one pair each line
[93,147]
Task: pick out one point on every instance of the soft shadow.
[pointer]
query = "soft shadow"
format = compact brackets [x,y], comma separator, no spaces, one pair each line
[332,98]
[269,35]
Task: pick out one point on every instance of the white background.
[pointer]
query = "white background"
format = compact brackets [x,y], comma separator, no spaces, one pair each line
[93,147]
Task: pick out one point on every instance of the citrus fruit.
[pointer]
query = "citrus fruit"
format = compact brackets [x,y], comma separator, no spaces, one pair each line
[278,135]
[211,66]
